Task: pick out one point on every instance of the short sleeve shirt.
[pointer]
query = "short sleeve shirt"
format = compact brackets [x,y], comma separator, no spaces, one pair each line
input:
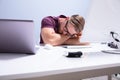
[50,22]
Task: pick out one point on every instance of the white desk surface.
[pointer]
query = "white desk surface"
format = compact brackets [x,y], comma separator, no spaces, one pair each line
[49,62]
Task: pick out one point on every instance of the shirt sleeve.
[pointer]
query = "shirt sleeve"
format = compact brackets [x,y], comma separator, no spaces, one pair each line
[47,22]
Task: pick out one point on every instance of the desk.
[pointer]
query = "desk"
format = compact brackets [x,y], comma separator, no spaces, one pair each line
[53,65]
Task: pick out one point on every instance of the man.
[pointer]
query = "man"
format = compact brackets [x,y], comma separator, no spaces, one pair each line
[62,30]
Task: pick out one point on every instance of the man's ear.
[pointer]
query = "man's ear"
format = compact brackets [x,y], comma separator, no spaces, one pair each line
[79,34]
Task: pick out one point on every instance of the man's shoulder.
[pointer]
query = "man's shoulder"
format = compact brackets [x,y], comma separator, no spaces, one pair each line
[49,21]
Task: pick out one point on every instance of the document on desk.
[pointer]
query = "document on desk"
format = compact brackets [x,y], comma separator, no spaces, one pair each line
[76,46]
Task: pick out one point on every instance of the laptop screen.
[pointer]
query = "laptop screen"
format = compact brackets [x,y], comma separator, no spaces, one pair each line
[17,36]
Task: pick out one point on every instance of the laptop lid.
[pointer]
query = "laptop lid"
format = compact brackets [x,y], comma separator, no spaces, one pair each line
[17,36]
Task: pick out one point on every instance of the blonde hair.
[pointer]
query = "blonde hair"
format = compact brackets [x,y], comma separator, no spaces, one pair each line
[78,22]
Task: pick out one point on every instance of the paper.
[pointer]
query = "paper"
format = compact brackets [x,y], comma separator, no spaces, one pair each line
[111,51]
[76,47]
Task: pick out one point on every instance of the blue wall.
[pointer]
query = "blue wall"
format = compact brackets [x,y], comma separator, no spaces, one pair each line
[37,9]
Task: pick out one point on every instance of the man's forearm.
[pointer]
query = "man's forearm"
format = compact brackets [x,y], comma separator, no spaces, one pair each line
[62,39]
[72,41]
[75,41]
[57,39]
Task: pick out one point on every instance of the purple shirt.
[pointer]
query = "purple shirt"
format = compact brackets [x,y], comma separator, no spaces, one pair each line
[51,22]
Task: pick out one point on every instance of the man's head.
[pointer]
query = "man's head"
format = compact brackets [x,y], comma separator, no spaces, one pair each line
[74,25]
[78,22]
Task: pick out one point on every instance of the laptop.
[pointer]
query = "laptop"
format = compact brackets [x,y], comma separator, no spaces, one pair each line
[17,36]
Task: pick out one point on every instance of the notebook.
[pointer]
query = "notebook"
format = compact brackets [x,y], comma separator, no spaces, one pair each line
[17,36]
